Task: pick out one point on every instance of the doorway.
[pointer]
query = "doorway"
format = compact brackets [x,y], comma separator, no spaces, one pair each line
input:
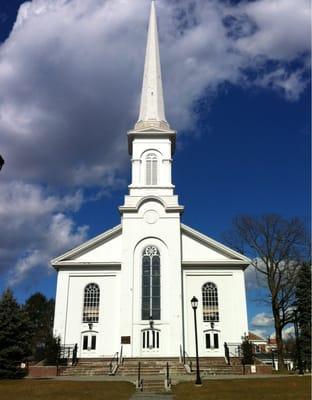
[150,339]
[89,343]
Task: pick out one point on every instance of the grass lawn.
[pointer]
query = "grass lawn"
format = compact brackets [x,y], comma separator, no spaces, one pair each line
[25,389]
[285,388]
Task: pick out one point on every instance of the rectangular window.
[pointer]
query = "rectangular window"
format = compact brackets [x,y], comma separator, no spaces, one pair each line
[154,172]
[208,341]
[93,342]
[85,343]
[216,340]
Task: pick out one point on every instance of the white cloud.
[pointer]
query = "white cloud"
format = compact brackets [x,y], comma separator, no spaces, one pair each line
[282,28]
[70,76]
[35,228]
[254,279]
[262,319]
[288,332]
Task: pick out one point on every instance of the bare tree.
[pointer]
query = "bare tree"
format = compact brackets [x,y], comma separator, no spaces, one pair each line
[277,247]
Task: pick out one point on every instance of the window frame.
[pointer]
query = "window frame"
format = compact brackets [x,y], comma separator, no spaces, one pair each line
[210,302]
[91,303]
[151,169]
[150,283]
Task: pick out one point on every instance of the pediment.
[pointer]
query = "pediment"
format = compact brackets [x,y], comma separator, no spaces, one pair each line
[102,249]
[200,249]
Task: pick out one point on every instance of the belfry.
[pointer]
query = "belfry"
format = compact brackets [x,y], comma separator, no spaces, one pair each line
[129,289]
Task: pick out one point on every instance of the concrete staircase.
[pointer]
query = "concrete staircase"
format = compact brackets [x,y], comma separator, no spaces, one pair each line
[217,366]
[150,366]
[87,367]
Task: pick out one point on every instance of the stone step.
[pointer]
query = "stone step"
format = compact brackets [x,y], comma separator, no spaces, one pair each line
[153,386]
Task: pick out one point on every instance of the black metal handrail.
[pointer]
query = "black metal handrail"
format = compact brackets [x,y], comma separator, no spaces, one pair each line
[227,353]
[113,363]
[168,379]
[66,351]
[186,359]
[140,380]
[120,361]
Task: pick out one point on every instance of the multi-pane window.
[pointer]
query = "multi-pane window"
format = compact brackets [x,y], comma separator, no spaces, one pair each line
[210,302]
[89,342]
[212,340]
[91,303]
[151,169]
[150,283]
[150,339]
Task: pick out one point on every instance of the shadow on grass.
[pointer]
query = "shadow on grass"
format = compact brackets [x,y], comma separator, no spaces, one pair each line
[64,390]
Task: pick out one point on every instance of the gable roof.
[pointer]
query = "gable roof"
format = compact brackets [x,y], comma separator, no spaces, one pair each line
[67,258]
[253,336]
[213,252]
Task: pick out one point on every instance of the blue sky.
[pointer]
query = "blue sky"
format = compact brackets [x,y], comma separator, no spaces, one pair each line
[241,104]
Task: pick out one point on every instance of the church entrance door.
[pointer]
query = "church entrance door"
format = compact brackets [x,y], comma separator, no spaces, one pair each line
[150,341]
[88,344]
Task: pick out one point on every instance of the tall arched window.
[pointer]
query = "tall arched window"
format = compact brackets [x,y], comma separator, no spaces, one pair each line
[91,303]
[151,169]
[210,302]
[150,283]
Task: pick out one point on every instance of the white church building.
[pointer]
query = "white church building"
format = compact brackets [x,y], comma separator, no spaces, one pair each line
[131,286]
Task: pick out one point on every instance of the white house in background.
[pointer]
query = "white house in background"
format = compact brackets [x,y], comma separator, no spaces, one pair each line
[132,285]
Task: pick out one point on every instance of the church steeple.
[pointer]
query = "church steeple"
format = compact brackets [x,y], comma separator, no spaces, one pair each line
[152,110]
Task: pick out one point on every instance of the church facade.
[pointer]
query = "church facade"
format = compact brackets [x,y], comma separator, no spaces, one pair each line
[131,286]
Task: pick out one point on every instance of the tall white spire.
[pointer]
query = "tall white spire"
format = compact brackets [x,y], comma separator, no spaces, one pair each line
[152,110]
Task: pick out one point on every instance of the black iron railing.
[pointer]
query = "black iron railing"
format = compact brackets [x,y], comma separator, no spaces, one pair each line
[113,364]
[185,359]
[168,379]
[227,353]
[140,380]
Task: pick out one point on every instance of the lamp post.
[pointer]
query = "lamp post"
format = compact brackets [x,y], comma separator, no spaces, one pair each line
[299,360]
[194,303]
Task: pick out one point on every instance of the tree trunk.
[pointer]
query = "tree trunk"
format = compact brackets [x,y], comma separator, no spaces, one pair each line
[279,345]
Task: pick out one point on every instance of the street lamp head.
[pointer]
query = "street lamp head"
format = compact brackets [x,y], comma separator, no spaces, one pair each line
[194,303]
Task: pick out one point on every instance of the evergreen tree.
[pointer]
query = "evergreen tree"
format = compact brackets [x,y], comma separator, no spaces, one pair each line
[40,311]
[303,303]
[52,350]
[14,336]
[248,356]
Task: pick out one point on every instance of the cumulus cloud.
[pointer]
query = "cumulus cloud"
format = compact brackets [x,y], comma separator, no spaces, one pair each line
[288,332]
[254,279]
[70,76]
[36,228]
[262,319]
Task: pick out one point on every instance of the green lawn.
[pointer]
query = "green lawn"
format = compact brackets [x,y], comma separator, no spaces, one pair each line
[26,389]
[285,388]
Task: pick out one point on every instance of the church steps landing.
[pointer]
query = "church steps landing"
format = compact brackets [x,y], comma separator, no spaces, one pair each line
[150,366]
[154,386]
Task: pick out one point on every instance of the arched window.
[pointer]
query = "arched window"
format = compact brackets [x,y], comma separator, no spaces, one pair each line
[150,283]
[91,303]
[210,302]
[151,169]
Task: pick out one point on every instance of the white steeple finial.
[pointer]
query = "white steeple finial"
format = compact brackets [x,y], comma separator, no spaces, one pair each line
[152,112]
